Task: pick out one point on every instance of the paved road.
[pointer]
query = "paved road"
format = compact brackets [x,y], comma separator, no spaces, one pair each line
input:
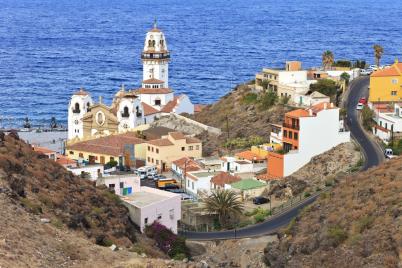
[373,153]
[373,157]
[267,227]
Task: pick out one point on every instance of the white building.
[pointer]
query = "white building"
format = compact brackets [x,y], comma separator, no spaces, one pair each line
[148,205]
[305,134]
[199,182]
[122,185]
[92,171]
[235,166]
[130,108]
[389,123]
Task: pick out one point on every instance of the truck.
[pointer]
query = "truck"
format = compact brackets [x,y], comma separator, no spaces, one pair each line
[166,183]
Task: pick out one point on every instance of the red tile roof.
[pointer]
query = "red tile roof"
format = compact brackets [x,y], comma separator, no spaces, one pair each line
[198,107]
[153,81]
[169,107]
[63,160]
[190,166]
[383,129]
[81,92]
[177,135]
[249,155]
[298,113]
[192,140]
[161,142]
[223,178]
[394,70]
[43,150]
[152,91]
[148,109]
[110,145]
[267,177]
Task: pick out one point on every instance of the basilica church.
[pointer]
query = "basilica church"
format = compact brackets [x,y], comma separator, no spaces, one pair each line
[130,108]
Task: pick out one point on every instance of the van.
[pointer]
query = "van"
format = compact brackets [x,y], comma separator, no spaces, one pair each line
[389,153]
[146,171]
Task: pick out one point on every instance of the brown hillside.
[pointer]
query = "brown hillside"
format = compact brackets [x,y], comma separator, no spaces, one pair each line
[242,119]
[45,188]
[357,224]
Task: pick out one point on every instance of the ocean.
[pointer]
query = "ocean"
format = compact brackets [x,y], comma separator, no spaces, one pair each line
[49,48]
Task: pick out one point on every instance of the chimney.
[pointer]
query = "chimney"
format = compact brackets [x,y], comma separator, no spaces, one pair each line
[332,105]
[310,112]
[100,99]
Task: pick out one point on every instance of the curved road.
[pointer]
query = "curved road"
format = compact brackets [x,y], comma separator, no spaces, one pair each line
[373,156]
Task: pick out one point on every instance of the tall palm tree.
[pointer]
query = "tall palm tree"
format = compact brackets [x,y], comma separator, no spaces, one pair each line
[327,59]
[225,203]
[378,51]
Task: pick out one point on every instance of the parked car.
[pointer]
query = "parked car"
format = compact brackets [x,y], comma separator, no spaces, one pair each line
[146,171]
[158,177]
[360,106]
[389,153]
[260,200]
[363,101]
[373,67]
[366,71]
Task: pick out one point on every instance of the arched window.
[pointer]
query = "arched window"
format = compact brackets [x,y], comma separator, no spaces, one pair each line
[158,101]
[149,43]
[125,112]
[76,109]
[153,43]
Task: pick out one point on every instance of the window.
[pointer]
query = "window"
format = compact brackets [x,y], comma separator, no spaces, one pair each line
[71,152]
[394,81]
[158,102]
[296,136]
[190,148]
[149,148]
[121,184]
[152,160]
[157,162]
[188,183]
[197,147]
[183,148]
[111,186]
[290,135]
[81,155]
[192,185]
[152,149]
[393,93]
[285,133]
[159,216]
[149,159]
[157,150]
[146,220]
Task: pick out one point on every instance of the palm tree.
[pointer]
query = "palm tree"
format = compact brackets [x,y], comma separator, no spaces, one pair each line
[378,51]
[224,203]
[327,59]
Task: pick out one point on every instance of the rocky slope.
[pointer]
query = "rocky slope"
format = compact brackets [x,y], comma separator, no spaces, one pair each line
[357,224]
[237,118]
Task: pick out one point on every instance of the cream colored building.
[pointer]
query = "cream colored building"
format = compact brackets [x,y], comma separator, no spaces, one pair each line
[162,152]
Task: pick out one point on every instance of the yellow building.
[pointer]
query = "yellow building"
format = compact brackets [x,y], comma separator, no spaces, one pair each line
[125,148]
[386,84]
[162,152]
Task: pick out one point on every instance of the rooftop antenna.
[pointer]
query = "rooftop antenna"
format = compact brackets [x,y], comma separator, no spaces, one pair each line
[155,23]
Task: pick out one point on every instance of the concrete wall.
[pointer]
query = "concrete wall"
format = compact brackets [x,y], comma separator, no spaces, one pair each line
[93,170]
[184,105]
[150,99]
[290,77]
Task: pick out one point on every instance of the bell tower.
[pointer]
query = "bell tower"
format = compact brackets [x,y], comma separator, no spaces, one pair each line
[155,58]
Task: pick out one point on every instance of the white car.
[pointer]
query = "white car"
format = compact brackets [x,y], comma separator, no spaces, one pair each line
[360,106]
[373,67]
[366,71]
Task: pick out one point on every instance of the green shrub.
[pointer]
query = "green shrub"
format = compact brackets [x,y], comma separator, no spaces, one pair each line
[250,98]
[244,223]
[327,87]
[31,206]
[267,100]
[337,234]
[179,257]
[367,118]
[307,194]
[102,240]
[364,223]
[259,218]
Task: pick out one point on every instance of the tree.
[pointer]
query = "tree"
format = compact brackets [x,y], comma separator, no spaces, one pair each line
[225,203]
[378,51]
[327,87]
[268,99]
[327,59]
[367,117]
[346,77]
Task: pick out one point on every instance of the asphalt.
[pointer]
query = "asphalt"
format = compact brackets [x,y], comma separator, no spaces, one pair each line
[373,156]
[372,151]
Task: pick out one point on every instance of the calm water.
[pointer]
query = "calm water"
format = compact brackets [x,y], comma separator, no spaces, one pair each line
[50,48]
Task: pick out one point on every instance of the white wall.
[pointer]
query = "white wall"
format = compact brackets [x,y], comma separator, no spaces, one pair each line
[132,121]
[77,130]
[317,135]
[128,181]
[184,105]
[289,77]
[150,99]
[93,170]
[201,184]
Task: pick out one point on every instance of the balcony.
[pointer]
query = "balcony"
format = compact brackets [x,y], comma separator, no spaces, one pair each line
[125,114]
[296,127]
[158,56]
[76,111]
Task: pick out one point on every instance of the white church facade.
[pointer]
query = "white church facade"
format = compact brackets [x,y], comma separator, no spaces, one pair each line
[129,109]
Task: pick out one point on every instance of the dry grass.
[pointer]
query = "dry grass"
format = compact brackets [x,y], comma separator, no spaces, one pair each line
[357,225]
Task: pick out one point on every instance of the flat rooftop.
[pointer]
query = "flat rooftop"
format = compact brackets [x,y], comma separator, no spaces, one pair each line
[143,199]
[204,174]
